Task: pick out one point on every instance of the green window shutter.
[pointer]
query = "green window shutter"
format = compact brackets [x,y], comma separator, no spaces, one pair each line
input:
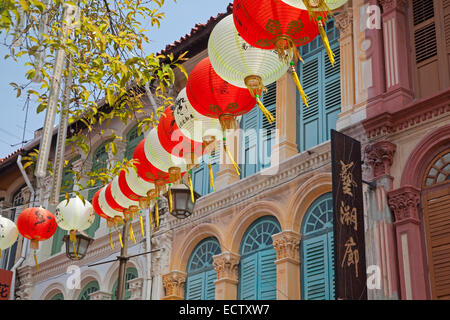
[200,174]
[259,135]
[321,83]
[198,178]
[268,271]
[248,278]
[130,274]
[91,287]
[200,271]
[132,141]
[317,251]
[257,270]
[58,296]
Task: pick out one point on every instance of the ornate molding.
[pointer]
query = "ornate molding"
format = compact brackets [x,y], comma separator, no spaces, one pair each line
[24,283]
[100,295]
[389,5]
[409,117]
[344,23]
[380,156]
[174,284]
[226,265]
[287,244]
[404,202]
[136,288]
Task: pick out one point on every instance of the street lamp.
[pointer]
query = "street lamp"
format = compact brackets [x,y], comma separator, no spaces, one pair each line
[182,202]
[81,245]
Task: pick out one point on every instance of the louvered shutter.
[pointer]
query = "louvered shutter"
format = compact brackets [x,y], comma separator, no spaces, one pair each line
[309,116]
[446,6]
[332,93]
[250,143]
[268,275]
[248,278]
[210,292]
[198,178]
[316,268]
[436,204]
[194,287]
[268,132]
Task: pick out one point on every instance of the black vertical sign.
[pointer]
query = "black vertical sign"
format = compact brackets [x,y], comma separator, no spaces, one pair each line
[350,257]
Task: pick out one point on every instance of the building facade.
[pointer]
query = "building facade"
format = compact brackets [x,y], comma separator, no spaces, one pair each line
[268,233]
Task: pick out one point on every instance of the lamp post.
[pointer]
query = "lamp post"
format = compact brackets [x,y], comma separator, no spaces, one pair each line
[183,206]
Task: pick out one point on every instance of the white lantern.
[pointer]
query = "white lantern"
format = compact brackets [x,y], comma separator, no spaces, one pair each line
[106,208]
[138,185]
[119,197]
[194,125]
[74,215]
[8,233]
[159,157]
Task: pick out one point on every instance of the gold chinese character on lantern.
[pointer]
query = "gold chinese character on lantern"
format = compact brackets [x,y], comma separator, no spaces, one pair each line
[347,178]
[351,255]
[348,217]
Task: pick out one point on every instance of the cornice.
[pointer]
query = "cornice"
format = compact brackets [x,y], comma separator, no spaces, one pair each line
[412,115]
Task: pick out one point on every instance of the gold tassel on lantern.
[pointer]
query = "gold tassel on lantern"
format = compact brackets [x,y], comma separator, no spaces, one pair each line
[191,187]
[132,238]
[110,240]
[299,86]
[211,177]
[120,239]
[325,41]
[151,219]
[73,238]
[236,167]
[286,49]
[142,226]
[317,9]
[74,250]
[156,213]
[36,261]
[170,198]
[264,110]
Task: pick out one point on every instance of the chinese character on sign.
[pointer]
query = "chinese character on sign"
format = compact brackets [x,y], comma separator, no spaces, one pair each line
[4,290]
[351,255]
[348,217]
[347,178]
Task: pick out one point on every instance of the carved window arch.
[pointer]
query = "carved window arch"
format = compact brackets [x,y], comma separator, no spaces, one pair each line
[439,170]
[91,287]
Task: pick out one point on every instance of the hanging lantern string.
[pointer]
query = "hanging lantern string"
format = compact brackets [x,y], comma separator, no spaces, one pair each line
[191,187]
[299,86]
[170,197]
[264,110]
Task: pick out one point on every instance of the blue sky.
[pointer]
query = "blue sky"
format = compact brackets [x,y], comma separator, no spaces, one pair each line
[181,17]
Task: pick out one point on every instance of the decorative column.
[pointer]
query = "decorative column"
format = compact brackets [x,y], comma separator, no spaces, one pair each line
[286,113]
[396,53]
[226,265]
[344,23]
[24,283]
[174,284]
[136,286]
[380,232]
[100,295]
[410,250]
[286,245]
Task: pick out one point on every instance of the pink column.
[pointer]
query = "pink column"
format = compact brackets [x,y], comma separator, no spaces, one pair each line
[396,54]
[410,243]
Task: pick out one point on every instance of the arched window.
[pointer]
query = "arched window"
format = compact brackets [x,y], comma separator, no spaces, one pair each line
[436,212]
[322,84]
[133,140]
[257,270]
[200,271]
[317,250]
[91,287]
[58,296]
[129,275]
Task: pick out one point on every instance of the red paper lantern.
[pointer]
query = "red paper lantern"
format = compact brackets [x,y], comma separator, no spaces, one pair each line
[145,169]
[173,140]
[110,199]
[98,210]
[213,97]
[36,224]
[272,24]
